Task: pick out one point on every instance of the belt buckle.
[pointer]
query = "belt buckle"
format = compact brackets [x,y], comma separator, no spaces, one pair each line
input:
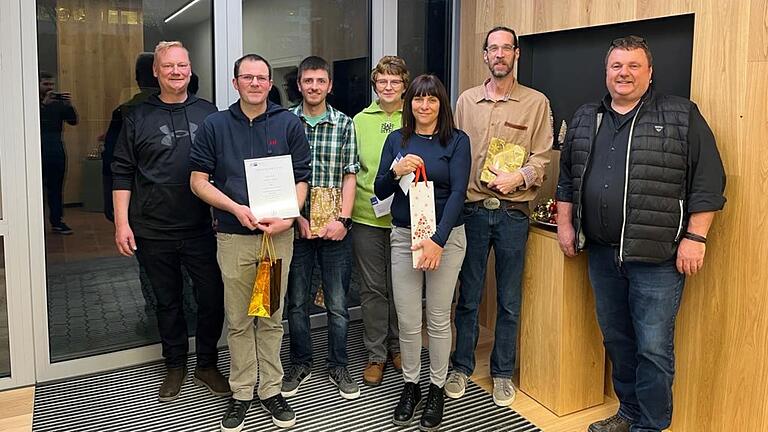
[492,203]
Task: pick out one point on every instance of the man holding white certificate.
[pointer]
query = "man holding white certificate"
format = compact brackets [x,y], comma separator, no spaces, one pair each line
[252,129]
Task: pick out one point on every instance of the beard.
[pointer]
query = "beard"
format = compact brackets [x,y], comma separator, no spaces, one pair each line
[500,73]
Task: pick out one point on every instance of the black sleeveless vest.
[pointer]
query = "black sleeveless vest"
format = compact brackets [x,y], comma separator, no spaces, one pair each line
[654,214]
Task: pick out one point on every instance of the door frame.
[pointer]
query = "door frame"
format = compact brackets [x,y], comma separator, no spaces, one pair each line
[22,228]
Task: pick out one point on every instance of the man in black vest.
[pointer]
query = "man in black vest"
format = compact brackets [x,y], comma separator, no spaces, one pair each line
[640,182]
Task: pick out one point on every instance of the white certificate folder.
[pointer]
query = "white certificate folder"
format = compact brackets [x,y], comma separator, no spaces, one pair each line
[271,187]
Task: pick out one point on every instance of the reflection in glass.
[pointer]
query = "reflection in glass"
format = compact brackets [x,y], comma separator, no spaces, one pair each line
[424,37]
[98,55]
[5,349]
[286,31]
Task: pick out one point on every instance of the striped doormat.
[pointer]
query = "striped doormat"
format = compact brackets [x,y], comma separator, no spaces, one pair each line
[126,401]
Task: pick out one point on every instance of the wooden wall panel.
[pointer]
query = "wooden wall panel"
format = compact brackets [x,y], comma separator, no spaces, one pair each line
[722,331]
[659,8]
[609,11]
[758,30]
[96,64]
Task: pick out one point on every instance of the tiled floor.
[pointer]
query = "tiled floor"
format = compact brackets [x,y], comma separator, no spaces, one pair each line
[96,301]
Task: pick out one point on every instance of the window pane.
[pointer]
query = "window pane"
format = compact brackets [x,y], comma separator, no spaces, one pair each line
[5,349]
[286,31]
[90,51]
[424,37]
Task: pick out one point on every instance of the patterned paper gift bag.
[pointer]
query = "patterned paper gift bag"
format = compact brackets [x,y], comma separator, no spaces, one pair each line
[265,297]
[422,203]
[325,207]
[502,155]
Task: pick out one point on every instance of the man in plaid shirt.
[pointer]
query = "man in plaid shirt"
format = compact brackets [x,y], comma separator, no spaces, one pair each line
[331,136]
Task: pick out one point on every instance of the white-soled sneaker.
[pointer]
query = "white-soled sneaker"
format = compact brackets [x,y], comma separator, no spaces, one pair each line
[456,385]
[503,391]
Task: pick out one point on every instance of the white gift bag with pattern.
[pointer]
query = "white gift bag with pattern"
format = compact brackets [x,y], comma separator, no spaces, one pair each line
[422,204]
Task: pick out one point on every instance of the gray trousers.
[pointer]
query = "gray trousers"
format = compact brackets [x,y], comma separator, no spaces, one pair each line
[371,251]
[440,285]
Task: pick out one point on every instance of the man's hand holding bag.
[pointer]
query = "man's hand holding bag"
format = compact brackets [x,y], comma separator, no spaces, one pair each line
[265,298]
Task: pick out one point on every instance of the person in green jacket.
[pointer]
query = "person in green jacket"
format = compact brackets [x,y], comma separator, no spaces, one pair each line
[372,222]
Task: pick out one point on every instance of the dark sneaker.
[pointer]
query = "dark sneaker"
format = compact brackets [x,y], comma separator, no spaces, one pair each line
[282,414]
[62,228]
[295,377]
[234,417]
[611,424]
[171,386]
[213,380]
[410,402]
[340,377]
[433,410]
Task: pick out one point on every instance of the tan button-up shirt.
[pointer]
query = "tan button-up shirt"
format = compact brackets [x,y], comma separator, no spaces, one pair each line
[522,117]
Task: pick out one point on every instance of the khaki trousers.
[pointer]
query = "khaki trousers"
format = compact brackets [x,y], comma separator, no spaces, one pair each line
[254,347]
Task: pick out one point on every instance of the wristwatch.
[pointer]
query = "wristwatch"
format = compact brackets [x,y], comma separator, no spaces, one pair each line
[347,222]
[393,174]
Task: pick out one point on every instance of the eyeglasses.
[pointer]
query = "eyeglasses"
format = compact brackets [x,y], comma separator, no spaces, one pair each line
[505,49]
[170,66]
[248,79]
[395,83]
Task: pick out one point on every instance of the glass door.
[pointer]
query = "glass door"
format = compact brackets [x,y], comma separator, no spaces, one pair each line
[16,348]
[93,62]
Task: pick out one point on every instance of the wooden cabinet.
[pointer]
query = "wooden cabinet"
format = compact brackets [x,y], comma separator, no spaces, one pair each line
[562,359]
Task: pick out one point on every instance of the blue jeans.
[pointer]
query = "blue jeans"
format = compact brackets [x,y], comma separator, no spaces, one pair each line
[336,272]
[506,231]
[637,304]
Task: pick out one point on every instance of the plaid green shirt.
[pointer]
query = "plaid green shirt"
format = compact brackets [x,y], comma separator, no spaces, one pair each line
[333,145]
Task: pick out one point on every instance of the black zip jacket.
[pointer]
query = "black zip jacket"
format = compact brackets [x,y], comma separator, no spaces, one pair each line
[229,137]
[151,160]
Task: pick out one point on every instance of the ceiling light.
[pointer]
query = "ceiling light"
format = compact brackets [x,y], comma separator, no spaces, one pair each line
[178,12]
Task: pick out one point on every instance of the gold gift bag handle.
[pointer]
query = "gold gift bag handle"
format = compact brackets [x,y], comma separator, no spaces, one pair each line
[268,248]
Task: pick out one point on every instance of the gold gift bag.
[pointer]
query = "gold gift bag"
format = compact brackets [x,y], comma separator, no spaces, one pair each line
[325,207]
[265,297]
[504,156]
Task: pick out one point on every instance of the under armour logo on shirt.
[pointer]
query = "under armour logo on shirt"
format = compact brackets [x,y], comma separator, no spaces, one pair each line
[658,128]
[170,135]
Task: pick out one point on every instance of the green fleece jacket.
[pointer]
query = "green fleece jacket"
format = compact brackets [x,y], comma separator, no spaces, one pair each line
[372,125]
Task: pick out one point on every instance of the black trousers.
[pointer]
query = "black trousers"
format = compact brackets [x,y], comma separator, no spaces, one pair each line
[162,260]
[53,180]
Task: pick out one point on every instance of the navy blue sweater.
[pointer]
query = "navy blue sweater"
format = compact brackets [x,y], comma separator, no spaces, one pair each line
[447,167]
[228,138]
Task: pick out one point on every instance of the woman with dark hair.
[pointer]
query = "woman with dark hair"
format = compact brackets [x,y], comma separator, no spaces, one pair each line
[427,139]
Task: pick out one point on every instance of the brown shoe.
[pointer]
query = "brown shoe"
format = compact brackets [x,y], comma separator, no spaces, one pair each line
[213,380]
[171,386]
[397,361]
[373,373]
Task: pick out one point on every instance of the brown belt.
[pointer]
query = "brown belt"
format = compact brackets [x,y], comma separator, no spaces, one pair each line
[494,203]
